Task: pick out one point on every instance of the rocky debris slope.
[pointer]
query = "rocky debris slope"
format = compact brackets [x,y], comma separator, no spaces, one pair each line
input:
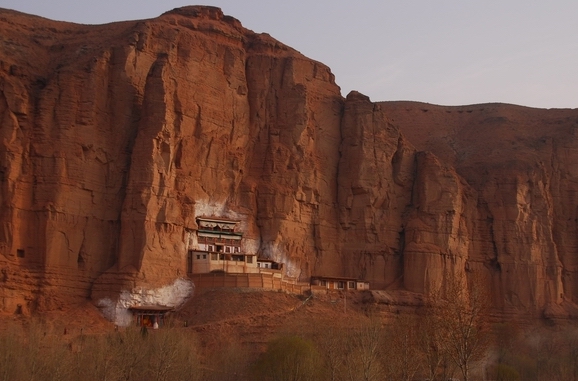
[115,137]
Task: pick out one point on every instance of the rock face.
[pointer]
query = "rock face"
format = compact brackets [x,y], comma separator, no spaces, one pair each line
[515,219]
[115,137]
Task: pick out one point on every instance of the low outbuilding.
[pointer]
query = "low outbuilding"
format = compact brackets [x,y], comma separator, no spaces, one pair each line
[338,283]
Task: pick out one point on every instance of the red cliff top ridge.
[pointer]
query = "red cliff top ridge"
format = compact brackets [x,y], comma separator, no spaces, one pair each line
[116,138]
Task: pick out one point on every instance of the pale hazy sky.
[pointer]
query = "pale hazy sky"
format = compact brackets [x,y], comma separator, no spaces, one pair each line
[449,52]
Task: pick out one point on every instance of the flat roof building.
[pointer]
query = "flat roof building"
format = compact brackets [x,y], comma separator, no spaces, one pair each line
[338,283]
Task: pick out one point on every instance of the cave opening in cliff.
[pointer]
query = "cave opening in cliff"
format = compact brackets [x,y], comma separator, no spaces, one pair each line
[20,253]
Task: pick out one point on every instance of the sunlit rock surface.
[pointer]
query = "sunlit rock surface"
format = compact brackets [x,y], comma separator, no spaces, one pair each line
[115,137]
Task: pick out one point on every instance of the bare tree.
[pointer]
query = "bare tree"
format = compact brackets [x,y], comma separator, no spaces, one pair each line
[172,356]
[333,343]
[433,344]
[226,358]
[227,362]
[289,358]
[464,327]
[402,352]
[573,355]
[363,357]
[11,348]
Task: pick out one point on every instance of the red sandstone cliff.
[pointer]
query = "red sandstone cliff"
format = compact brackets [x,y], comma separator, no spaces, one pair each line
[115,137]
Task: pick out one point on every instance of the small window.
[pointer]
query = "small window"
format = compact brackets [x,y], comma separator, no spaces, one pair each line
[227,249]
[198,256]
[20,253]
[237,249]
[340,285]
[214,257]
[211,248]
[324,283]
[249,259]
[258,263]
[204,256]
[351,285]
[222,257]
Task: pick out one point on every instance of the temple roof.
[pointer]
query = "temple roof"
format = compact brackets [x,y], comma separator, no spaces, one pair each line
[217,219]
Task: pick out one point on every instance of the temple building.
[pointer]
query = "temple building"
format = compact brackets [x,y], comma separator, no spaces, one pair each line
[217,257]
[217,246]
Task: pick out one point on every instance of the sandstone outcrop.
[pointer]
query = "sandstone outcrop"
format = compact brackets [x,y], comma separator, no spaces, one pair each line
[519,229]
[115,137]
